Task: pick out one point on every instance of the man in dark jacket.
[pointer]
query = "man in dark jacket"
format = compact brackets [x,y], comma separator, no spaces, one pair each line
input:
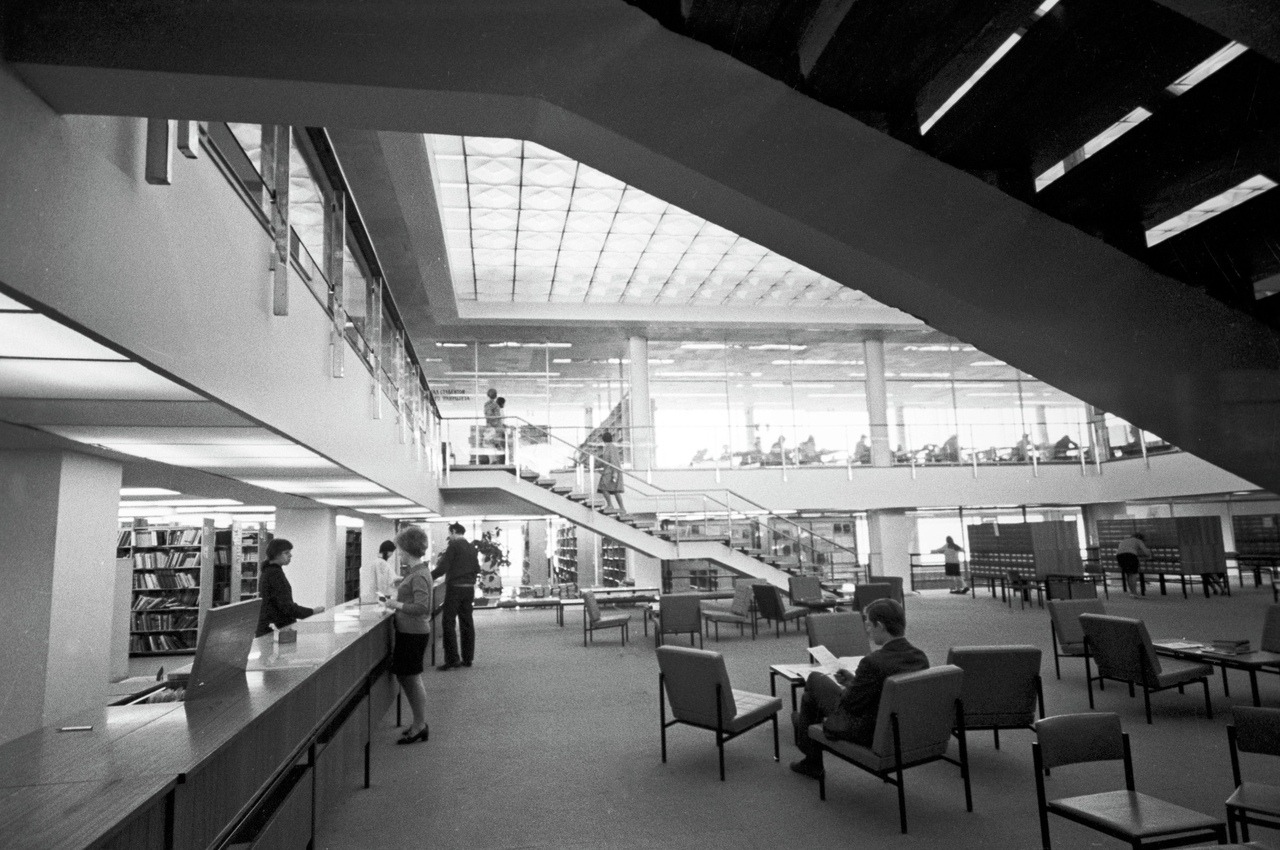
[460,566]
[847,705]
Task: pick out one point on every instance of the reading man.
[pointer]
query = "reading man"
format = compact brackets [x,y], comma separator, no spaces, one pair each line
[847,705]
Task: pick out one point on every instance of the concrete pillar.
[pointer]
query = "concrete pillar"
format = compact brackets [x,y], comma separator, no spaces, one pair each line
[59,524]
[889,535]
[642,436]
[877,402]
[374,531]
[900,413]
[1042,426]
[316,571]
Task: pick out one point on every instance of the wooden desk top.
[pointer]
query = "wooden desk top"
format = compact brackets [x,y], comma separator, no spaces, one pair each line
[65,788]
[73,815]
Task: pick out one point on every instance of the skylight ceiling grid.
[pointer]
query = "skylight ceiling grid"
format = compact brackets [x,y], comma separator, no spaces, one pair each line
[526,224]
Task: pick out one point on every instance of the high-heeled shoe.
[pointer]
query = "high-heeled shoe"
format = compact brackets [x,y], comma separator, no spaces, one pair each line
[424,735]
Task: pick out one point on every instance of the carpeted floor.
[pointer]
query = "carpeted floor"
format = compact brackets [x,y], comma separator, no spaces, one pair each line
[547,744]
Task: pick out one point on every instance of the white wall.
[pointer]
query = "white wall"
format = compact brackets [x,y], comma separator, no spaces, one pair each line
[178,276]
[314,572]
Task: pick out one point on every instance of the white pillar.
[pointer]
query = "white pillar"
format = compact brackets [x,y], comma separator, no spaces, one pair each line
[59,524]
[642,438]
[877,402]
[889,534]
[314,572]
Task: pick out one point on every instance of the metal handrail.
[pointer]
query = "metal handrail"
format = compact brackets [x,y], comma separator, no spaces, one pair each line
[513,455]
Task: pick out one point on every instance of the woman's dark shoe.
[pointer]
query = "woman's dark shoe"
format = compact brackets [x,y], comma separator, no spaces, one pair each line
[424,735]
[450,665]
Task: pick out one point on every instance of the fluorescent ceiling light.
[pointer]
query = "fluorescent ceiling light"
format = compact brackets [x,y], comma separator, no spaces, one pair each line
[388,501]
[988,363]
[132,492]
[938,347]
[561,360]
[1043,8]
[530,345]
[815,363]
[303,486]
[1206,210]
[992,395]
[971,82]
[837,395]
[924,374]
[229,509]
[348,521]
[1091,147]
[1205,69]
[708,375]
[87,379]
[501,374]
[777,347]
[176,503]
[35,336]
[7,303]
[704,346]
[452,345]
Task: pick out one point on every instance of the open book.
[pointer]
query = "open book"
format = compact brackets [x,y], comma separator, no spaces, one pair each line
[830,663]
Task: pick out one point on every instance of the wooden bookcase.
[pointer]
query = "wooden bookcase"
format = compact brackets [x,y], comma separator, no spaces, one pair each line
[1257,543]
[613,562]
[248,546]
[351,565]
[173,584]
[566,557]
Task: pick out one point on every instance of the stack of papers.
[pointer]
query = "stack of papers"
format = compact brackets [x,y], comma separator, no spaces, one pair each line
[1230,646]
[829,663]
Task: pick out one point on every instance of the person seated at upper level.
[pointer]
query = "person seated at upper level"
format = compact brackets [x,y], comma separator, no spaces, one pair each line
[949,451]
[807,451]
[1065,448]
[862,451]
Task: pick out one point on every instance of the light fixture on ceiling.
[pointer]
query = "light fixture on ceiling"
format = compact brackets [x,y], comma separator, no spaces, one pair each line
[452,345]
[135,492]
[1091,147]
[178,503]
[704,346]
[305,486]
[1205,210]
[977,75]
[1207,68]
[777,346]
[988,363]
[348,521]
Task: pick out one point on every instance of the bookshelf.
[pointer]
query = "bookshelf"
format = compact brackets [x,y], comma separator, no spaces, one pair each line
[1186,547]
[173,585]
[1022,552]
[248,546]
[351,565]
[566,557]
[222,586]
[1257,543]
[613,562]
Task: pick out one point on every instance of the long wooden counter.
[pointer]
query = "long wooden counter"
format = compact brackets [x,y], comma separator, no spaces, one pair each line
[212,771]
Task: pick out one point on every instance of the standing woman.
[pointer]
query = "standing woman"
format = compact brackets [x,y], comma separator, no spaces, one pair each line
[412,607]
[951,552]
[278,608]
[611,472]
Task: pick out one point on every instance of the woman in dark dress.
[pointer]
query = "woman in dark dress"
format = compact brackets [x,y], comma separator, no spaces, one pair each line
[278,607]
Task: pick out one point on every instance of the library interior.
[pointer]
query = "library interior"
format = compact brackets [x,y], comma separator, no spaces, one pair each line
[714,325]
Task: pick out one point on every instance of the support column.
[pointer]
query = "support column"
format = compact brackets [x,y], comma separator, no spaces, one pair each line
[877,402]
[59,524]
[315,573]
[372,533]
[1042,426]
[889,536]
[642,436]
[901,426]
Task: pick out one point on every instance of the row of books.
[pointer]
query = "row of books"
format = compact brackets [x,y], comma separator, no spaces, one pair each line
[178,599]
[164,622]
[143,537]
[162,643]
[1230,646]
[163,580]
[174,559]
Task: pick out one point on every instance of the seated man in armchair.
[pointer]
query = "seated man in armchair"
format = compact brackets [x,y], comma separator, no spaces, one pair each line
[847,705]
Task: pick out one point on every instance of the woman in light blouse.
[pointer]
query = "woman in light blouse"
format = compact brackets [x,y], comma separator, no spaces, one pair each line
[412,607]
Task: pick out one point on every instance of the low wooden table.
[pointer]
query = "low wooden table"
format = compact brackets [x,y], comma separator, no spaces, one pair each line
[1250,662]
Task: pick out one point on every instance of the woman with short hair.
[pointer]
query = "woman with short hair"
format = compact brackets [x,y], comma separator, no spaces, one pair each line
[278,608]
[412,607]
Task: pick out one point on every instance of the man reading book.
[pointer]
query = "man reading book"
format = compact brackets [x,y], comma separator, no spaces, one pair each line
[846,705]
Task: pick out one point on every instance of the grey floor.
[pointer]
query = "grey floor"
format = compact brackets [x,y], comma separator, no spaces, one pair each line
[547,744]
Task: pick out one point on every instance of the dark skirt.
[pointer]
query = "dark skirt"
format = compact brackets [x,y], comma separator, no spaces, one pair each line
[952,569]
[406,658]
[1128,562]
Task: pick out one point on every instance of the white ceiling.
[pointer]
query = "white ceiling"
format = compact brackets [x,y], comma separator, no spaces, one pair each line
[525,224]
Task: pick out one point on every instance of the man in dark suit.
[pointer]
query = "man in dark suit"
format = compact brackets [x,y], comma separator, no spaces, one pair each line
[460,566]
[847,705]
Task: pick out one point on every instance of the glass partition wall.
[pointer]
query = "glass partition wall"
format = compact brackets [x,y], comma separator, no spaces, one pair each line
[777,401]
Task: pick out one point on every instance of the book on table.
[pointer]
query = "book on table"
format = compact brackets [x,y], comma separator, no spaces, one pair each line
[829,663]
[1230,646]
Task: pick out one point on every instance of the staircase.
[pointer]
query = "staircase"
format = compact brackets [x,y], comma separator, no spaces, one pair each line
[467,489]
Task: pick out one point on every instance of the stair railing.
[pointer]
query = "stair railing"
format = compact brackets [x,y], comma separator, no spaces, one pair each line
[737,509]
